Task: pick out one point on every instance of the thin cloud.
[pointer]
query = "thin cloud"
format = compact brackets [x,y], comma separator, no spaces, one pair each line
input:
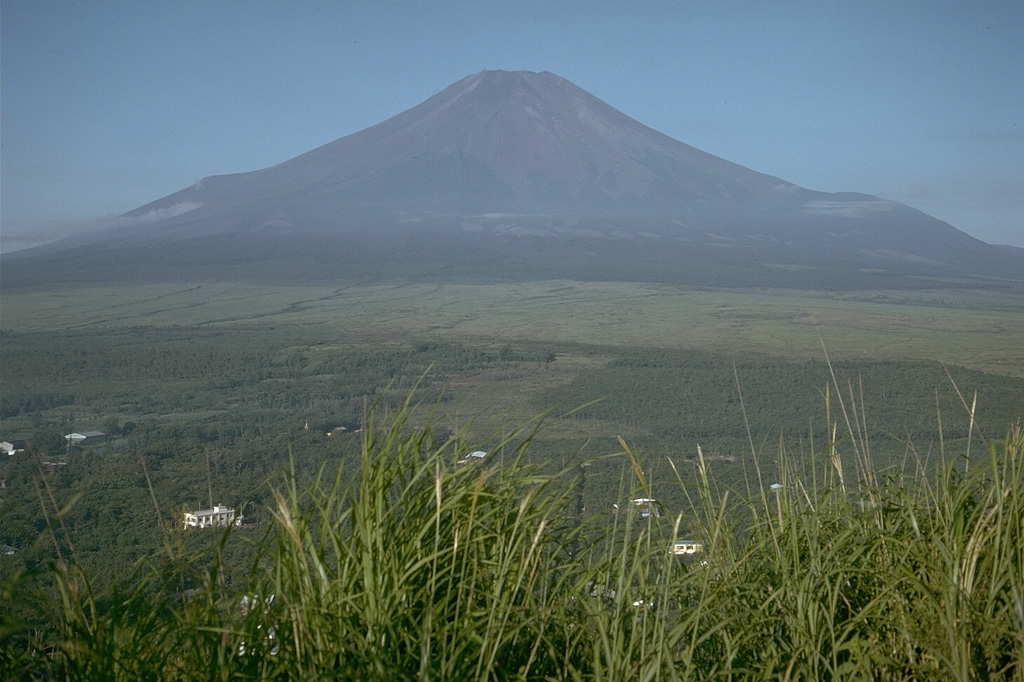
[17,236]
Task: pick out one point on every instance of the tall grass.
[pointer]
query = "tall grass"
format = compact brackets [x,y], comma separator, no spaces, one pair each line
[411,567]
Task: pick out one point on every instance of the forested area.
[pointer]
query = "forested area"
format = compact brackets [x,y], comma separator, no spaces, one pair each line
[200,416]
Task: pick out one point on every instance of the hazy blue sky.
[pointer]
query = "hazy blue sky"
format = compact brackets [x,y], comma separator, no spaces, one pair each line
[108,105]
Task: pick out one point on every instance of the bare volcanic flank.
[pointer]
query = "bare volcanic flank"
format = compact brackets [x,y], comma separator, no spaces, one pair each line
[497,142]
[512,175]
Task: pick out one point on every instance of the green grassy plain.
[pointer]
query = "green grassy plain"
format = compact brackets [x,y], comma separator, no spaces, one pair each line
[978,329]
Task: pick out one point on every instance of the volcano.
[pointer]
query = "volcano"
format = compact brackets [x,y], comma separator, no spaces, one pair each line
[512,175]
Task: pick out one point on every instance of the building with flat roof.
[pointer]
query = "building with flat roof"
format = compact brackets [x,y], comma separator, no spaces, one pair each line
[647,507]
[218,517]
[683,547]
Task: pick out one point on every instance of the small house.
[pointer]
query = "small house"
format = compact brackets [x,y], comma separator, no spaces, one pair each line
[218,517]
[473,457]
[647,507]
[85,438]
[14,444]
[684,547]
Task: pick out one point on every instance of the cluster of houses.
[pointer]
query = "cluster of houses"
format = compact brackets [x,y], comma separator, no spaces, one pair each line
[646,508]
[222,517]
[18,443]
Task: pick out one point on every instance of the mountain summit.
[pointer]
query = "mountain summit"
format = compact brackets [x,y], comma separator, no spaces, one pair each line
[498,142]
[512,174]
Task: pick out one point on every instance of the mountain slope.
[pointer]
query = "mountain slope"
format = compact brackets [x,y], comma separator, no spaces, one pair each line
[519,174]
[509,142]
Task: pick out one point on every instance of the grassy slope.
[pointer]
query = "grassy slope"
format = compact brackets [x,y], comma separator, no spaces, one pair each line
[974,329]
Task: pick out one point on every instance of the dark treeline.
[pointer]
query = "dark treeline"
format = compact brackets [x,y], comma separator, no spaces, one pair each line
[160,371]
[698,394]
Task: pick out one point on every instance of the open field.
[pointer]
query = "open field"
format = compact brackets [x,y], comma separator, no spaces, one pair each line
[976,329]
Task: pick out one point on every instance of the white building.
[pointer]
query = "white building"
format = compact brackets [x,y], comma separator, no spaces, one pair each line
[475,456]
[647,507]
[683,547]
[10,447]
[218,517]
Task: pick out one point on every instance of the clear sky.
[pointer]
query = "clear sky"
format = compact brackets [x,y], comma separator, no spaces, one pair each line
[109,105]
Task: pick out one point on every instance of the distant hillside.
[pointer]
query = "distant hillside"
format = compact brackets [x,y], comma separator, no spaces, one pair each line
[513,175]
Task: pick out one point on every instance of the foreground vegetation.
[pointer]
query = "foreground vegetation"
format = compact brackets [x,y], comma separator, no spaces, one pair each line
[409,566]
